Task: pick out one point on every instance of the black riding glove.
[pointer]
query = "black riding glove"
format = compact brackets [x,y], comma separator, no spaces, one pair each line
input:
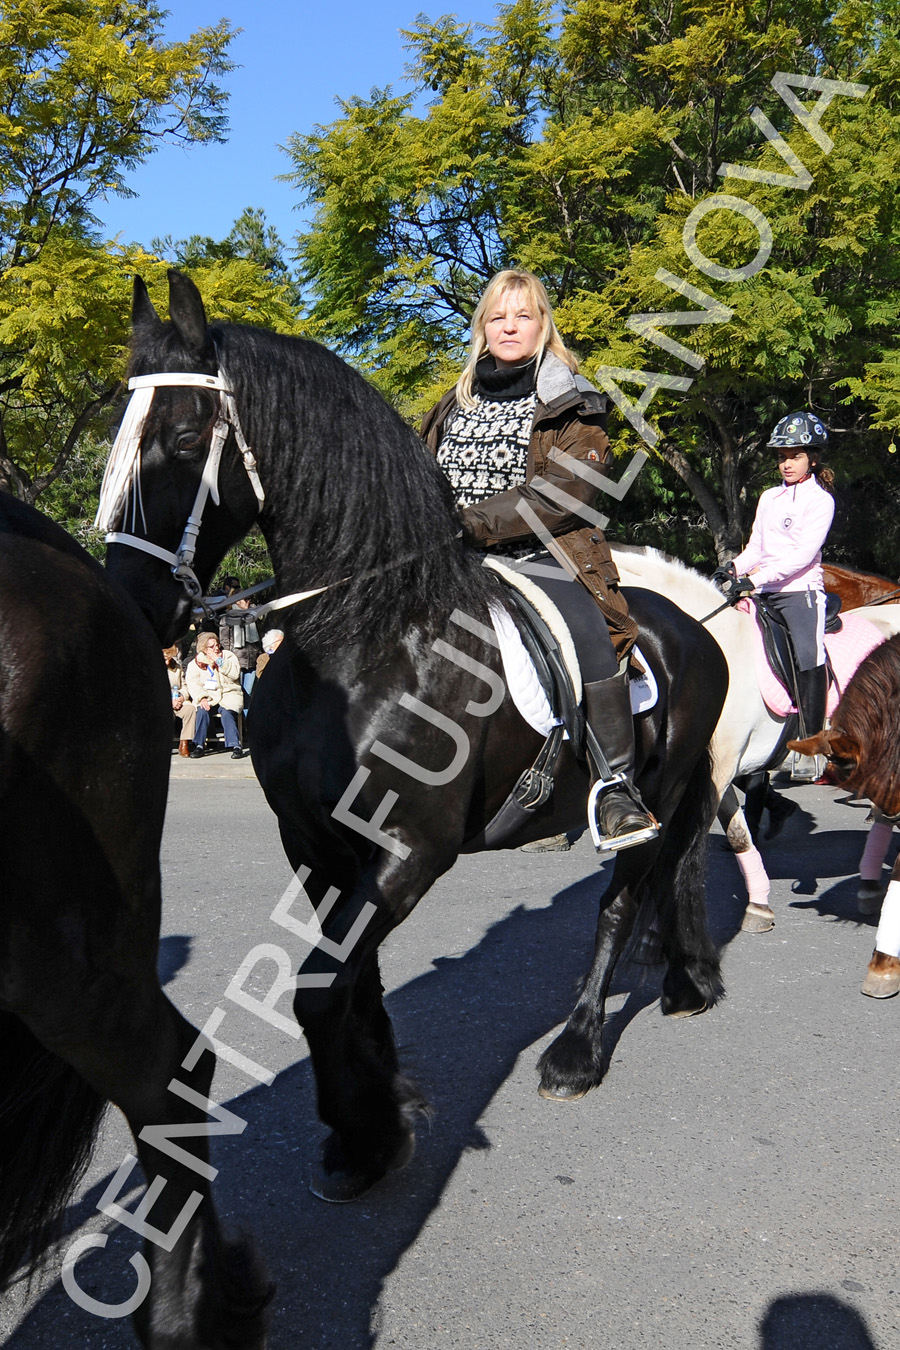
[739,587]
[724,576]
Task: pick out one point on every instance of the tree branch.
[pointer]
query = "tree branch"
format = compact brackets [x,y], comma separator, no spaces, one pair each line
[82,421]
[678,461]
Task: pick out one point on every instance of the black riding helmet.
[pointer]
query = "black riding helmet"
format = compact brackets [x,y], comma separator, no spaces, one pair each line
[799,431]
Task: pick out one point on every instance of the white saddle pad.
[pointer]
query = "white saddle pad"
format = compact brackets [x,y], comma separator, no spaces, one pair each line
[526,690]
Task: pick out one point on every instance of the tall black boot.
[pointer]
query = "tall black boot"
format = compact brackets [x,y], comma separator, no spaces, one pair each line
[812,690]
[621,817]
[812,693]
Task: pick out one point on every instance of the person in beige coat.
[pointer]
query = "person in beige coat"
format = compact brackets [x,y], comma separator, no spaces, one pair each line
[182,706]
[214,682]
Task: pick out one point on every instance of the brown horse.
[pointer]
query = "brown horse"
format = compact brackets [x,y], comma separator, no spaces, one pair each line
[857,589]
[863,748]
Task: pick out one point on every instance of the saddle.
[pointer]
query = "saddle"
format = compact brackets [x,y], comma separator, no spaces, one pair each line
[777,641]
[552,648]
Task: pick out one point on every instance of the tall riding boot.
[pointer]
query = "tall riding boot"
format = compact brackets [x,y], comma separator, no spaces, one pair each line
[812,692]
[617,816]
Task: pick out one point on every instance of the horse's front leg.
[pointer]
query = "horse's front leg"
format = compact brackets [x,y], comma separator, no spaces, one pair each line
[758,916]
[368,1105]
[576,1061]
[883,975]
[131,1045]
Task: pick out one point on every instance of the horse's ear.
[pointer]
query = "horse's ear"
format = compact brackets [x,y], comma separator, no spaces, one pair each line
[143,315]
[186,311]
[820,744]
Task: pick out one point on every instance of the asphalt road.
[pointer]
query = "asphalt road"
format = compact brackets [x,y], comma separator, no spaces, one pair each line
[731,1184]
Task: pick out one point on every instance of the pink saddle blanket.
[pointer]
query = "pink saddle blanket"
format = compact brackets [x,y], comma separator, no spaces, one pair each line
[846,650]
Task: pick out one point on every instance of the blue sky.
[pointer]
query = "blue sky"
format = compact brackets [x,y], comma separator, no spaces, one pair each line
[295,58]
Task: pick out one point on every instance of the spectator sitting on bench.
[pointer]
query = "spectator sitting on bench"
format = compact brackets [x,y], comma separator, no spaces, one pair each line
[214,681]
[182,706]
[271,641]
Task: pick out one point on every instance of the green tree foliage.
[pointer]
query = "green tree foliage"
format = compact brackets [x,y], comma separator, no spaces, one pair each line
[577,143]
[88,89]
[250,238]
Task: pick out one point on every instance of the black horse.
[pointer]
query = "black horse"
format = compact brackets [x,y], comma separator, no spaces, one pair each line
[371,731]
[85,735]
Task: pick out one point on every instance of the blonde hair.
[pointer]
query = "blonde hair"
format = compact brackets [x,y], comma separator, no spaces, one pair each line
[511,279]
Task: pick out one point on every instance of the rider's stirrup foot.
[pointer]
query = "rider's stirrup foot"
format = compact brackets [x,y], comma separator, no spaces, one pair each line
[616,820]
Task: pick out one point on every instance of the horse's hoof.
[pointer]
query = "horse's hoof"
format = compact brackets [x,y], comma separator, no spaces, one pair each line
[880,986]
[562,1094]
[556,843]
[757,919]
[869,897]
[674,1011]
[341,1188]
[883,976]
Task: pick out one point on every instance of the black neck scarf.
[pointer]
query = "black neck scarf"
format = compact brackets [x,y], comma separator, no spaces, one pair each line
[504,383]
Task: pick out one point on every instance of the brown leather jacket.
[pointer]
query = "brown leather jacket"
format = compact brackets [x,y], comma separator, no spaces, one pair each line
[570,416]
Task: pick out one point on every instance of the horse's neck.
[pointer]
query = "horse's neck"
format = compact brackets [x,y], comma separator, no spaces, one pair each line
[689,590]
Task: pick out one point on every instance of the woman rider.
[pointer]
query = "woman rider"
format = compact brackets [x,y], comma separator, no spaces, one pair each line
[519,398]
[783,558]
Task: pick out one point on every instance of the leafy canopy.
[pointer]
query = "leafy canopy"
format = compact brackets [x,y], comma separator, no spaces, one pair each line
[88,89]
[576,141]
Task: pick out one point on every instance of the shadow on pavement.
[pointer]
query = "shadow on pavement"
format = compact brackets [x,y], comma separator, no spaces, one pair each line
[174,955]
[462,1026]
[813,1322]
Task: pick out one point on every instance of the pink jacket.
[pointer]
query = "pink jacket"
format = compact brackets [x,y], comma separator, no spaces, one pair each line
[785,546]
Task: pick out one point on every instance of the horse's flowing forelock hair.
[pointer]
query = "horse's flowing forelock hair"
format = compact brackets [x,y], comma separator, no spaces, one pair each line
[354,499]
[868,713]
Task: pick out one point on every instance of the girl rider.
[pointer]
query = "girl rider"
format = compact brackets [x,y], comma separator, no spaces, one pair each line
[784,555]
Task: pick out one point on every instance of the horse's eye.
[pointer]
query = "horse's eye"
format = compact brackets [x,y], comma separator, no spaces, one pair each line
[188,445]
[843,766]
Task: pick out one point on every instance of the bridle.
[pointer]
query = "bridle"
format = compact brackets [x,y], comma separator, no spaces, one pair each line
[122,476]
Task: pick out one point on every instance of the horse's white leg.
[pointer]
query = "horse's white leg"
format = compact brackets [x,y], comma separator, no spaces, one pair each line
[871,888]
[758,917]
[883,976]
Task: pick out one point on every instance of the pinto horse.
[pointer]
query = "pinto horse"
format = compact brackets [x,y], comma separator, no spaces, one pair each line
[371,734]
[83,1020]
[750,738]
[863,748]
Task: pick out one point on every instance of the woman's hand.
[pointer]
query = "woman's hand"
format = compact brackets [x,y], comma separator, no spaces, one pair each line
[204,703]
[177,703]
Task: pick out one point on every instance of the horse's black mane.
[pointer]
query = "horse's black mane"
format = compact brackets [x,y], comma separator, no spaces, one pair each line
[352,492]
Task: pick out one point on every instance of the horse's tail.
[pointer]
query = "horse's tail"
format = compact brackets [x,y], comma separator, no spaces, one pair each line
[681,870]
[48,1123]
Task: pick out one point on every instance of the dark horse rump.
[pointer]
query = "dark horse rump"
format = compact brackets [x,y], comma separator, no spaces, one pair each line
[85,726]
[371,733]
